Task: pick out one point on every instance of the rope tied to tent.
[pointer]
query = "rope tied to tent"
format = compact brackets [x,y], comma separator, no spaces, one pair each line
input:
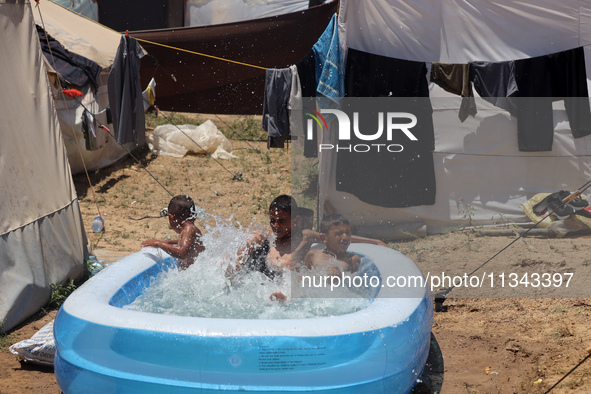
[163,45]
[201,54]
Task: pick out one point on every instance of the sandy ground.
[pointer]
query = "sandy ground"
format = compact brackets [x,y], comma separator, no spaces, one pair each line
[520,344]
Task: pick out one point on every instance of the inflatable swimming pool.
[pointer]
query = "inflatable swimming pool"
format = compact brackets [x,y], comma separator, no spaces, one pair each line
[102,348]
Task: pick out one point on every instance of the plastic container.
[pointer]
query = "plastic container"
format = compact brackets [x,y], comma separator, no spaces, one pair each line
[93,266]
[98,224]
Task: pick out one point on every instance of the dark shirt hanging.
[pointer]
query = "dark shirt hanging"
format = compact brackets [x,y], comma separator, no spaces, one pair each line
[275,101]
[542,80]
[494,82]
[386,179]
[125,93]
[307,73]
[455,78]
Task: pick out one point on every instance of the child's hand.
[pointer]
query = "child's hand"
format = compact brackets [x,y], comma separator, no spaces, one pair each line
[311,236]
[278,296]
[150,242]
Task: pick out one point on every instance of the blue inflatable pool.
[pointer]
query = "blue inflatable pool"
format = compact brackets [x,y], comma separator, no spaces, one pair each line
[102,348]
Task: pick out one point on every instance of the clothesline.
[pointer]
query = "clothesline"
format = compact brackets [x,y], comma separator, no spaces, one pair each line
[204,54]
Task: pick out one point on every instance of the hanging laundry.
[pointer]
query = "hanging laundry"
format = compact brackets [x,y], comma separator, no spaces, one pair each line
[307,75]
[75,69]
[149,95]
[387,179]
[329,63]
[295,105]
[542,80]
[494,82]
[275,102]
[88,130]
[125,93]
[455,78]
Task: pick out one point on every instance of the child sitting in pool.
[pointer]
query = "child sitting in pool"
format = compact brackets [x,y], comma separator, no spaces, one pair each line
[285,244]
[181,216]
[334,258]
[336,235]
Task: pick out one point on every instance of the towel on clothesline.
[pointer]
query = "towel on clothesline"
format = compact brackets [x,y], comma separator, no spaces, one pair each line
[329,63]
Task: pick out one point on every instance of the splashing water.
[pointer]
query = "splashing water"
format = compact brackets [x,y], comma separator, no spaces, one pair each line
[203,290]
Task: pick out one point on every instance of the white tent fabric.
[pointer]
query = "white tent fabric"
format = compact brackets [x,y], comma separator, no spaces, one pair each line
[42,239]
[99,44]
[214,12]
[478,160]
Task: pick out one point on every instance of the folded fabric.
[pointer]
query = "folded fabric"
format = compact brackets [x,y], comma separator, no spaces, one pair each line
[455,78]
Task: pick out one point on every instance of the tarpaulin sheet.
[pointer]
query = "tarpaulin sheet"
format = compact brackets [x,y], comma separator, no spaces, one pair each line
[207,85]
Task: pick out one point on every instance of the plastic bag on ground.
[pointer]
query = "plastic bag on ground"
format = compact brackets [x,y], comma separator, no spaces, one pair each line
[39,349]
[177,141]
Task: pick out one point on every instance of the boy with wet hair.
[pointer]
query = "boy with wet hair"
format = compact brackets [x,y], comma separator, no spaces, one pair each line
[336,235]
[262,254]
[334,258]
[290,244]
[181,216]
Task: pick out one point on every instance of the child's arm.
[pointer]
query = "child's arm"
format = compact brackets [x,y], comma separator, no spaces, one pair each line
[308,238]
[278,296]
[188,243]
[355,263]
[255,241]
[363,240]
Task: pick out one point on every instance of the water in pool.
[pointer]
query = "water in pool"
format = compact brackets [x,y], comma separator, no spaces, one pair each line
[203,290]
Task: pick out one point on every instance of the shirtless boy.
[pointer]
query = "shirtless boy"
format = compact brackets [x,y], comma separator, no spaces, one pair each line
[289,246]
[181,216]
[291,243]
[336,235]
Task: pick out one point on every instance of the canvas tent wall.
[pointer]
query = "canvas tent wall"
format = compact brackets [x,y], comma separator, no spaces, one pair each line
[42,238]
[99,44]
[477,161]
[214,12]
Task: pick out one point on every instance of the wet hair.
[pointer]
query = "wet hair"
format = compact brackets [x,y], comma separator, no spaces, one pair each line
[332,220]
[284,203]
[182,207]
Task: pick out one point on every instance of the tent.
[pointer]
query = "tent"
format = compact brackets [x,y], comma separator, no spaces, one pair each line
[42,237]
[481,175]
[99,44]
[214,12]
